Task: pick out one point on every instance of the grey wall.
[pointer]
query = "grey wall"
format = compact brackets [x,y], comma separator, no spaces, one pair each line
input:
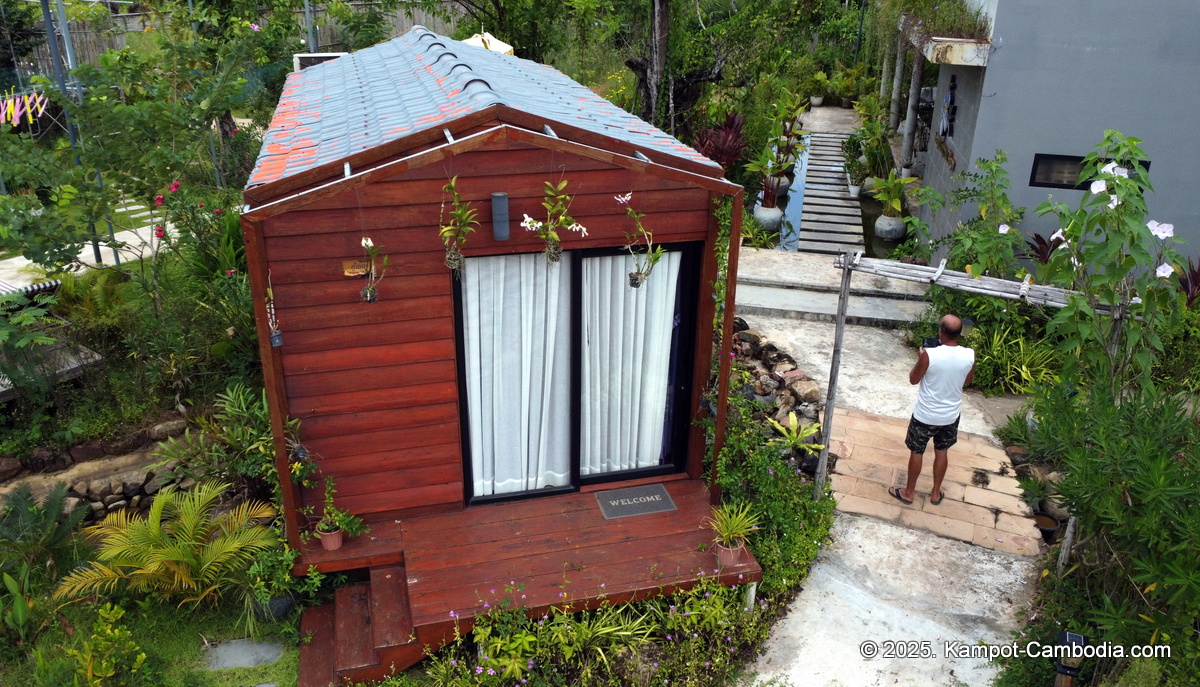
[938,172]
[1062,72]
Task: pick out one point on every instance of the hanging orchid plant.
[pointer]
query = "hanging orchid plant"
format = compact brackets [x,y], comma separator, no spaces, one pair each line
[557,204]
[643,263]
[374,275]
[454,232]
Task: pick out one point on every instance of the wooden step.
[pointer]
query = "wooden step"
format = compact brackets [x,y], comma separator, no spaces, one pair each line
[316,655]
[391,617]
[355,646]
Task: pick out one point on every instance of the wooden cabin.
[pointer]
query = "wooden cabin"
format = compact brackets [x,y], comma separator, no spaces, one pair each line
[473,420]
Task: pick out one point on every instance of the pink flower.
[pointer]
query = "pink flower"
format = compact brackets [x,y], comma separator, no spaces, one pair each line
[158,200]
[159,232]
[200,205]
[174,186]
[217,211]
[231,272]
[254,27]
[231,133]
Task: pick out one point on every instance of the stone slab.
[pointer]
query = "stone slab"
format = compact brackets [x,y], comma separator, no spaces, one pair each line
[242,653]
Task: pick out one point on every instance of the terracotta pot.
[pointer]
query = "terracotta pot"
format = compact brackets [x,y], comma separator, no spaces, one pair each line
[330,541]
[729,558]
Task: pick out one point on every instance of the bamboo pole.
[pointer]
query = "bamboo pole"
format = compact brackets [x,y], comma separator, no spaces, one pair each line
[835,367]
[724,363]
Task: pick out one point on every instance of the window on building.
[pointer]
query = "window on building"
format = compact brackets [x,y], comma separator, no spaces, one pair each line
[1060,171]
[570,375]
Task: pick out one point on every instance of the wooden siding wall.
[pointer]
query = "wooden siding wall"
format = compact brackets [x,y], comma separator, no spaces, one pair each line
[375,385]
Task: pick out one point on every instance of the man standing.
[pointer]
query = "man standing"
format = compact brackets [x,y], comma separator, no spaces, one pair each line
[942,371]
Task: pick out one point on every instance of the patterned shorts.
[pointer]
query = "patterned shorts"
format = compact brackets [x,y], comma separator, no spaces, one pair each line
[919,434]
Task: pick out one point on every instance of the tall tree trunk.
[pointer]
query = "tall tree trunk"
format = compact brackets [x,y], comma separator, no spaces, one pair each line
[650,70]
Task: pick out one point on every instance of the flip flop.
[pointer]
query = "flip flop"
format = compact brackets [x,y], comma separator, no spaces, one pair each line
[895,493]
[938,500]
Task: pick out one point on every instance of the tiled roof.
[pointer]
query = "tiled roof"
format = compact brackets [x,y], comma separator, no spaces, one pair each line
[421,80]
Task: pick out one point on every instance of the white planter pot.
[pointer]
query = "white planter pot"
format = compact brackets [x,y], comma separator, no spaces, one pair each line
[854,190]
[889,228]
[906,171]
[783,184]
[769,218]
[816,100]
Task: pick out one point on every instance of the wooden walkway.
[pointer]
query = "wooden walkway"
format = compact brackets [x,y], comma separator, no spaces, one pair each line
[982,503]
[435,573]
[831,221]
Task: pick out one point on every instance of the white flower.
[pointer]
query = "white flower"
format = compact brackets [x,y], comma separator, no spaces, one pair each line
[1135,300]
[578,227]
[1164,270]
[625,198]
[1098,187]
[1058,235]
[1112,168]
[531,224]
[1003,228]
[367,243]
[1113,203]
[1161,231]
[1074,261]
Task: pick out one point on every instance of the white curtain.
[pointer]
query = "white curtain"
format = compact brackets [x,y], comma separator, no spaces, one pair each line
[626,355]
[516,331]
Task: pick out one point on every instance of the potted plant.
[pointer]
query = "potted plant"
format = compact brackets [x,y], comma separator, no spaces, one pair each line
[336,523]
[272,589]
[454,232]
[732,525]
[906,168]
[370,292]
[818,86]
[890,192]
[557,203]
[643,263]
[856,172]
[768,168]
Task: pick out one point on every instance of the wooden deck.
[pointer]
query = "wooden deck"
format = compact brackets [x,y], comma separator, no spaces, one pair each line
[553,550]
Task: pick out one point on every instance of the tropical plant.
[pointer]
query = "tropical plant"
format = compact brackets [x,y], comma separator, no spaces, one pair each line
[1034,490]
[732,524]
[186,548]
[857,171]
[334,519]
[817,85]
[1041,248]
[24,340]
[375,270]
[557,205]
[1189,282]
[796,435]
[890,192]
[988,242]
[16,604]
[1006,361]
[37,534]
[462,221]
[725,143]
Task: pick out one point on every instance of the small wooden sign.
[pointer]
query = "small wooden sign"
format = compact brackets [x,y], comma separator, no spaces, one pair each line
[620,503]
[356,268]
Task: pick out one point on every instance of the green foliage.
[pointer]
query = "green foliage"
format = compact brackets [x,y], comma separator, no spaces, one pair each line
[795,435]
[986,243]
[1015,430]
[1112,259]
[186,549]
[37,534]
[334,519]
[110,658]
[1179,365]
[16,604]
[25,341]
[890,192]
[1008,362]
[643,262]
[1034,490]
[733,523]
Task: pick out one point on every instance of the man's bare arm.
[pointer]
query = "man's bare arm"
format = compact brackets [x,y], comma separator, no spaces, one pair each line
[918,371]
[970,375]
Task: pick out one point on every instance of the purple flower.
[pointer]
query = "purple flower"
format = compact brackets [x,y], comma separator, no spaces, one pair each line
[254,27]
[770,472]
[486,605]
[478,669]
[491,672]
[668,639]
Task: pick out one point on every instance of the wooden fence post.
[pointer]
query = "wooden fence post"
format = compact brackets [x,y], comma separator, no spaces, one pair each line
[834,367]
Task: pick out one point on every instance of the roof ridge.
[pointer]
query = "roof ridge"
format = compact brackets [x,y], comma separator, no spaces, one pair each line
[438,57]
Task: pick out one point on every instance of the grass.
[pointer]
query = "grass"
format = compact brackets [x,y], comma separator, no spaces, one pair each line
[173,640]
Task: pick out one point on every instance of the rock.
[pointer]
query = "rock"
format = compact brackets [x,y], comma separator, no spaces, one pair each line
[1053,508]
[1053,477]
[45,459]
[133,484]
[1017,455]
[125,444]
[113,498]
[806,390]
[242,653]
[780,368]
[793,375]
[168,429]
[186,484]
[116,485]
[90,451]
[117,505]
[159,480]
[97,508]
[98,489]
[9,467]
[739,325]
[750,336]
[135,501]
[808,411]
[70,504]
[80,489]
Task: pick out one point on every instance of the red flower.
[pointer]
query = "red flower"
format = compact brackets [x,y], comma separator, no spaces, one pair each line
[217,211]
[233,132]
[158,200]
[174,186]
[158,231]
[200,205]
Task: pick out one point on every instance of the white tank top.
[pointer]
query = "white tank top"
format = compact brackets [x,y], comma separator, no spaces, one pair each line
[939,398]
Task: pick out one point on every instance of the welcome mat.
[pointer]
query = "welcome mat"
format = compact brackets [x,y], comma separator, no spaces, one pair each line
[621,503]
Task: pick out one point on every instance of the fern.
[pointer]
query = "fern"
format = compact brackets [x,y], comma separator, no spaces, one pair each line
[183,550]
[37,534]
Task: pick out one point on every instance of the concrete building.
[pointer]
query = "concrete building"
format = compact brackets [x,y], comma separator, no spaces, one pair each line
[1053,77]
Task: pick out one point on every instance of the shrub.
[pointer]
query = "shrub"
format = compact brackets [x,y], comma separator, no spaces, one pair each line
[185,549]
[1007,362]
[1178,366]
[37,534]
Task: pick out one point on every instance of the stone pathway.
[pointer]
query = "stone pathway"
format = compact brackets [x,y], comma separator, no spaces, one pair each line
[982,503]
[831,221]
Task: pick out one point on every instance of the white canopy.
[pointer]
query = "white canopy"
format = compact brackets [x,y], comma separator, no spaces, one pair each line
[487,41]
